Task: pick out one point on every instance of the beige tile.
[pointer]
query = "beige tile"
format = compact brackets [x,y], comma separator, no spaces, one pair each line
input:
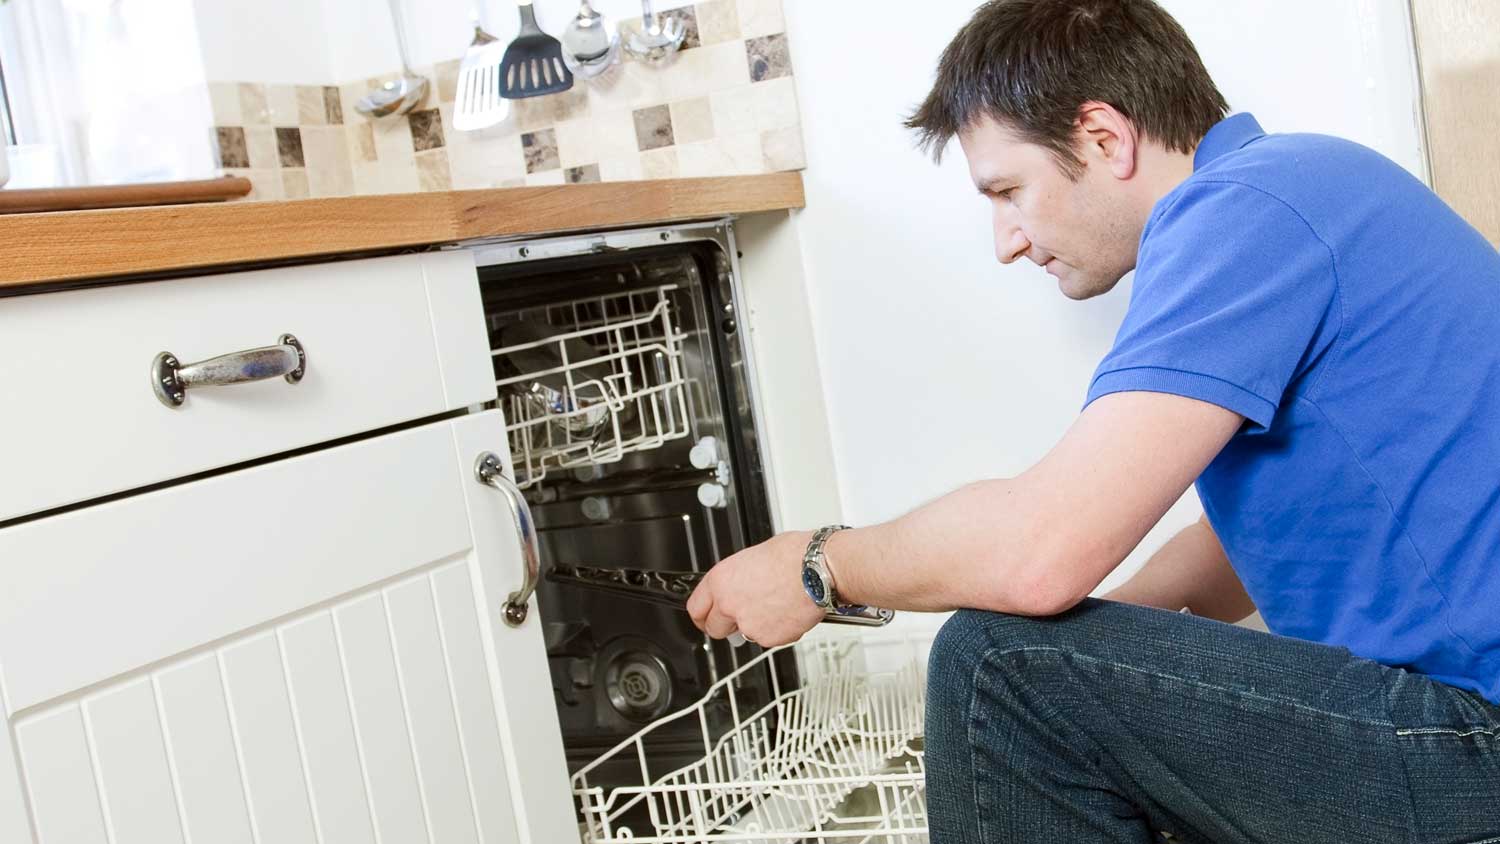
[261,141]
[718,21]
[614,134]
[620,169]
[760,17]
[401,178]
[432,170]
[775,104]
[311,110]
[783,149]
[512,183]
[486,162]
[333,106]
[282,100]
[349,94]
[659,163]
[393,143]
[224,99]
[734,110]
[294,184]
[329,171]
[254,108]
[726,155]
[446,77]
[627,85]
[692,120]
[549,177]
[367,179]
[699,72]
[575,143]
[265,184]
[361,142]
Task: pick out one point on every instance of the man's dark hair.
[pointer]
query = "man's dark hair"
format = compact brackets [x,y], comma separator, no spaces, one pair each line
[1030,65]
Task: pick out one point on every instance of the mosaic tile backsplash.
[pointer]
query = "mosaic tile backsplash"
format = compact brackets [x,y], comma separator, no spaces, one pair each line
[726,105]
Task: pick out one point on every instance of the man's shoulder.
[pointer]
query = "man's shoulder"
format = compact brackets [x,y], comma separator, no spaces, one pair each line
[1310,173]
[1321,179]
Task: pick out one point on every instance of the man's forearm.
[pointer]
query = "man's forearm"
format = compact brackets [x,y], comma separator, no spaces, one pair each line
[979,546]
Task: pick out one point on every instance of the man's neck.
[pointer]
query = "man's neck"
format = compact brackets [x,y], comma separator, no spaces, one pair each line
[1160,172]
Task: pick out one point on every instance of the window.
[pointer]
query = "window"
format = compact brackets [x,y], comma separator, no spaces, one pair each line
[7,132]
[104,92]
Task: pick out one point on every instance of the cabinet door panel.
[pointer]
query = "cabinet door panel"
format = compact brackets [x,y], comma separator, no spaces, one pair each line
[308,650]
[55,753]
[200,743]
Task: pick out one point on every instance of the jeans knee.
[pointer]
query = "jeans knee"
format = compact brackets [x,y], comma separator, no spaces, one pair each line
[959,652]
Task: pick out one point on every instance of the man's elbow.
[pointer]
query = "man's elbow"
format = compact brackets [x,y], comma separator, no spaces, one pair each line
[1043,585]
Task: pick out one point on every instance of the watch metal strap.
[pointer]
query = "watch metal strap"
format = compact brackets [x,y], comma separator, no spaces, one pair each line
[815,556]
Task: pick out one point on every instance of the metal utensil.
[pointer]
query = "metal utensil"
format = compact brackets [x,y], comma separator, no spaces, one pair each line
[402,94]
[478,103]
[656,38]
[590,43]
[533,64]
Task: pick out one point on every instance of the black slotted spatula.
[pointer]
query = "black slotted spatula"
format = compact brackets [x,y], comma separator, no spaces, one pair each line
[533,64]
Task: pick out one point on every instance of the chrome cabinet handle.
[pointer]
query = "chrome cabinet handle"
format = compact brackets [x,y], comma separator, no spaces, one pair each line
[489,470]
[170,378]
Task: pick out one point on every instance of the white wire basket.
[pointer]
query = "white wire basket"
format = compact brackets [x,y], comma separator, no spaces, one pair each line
[602,378]
[838,759]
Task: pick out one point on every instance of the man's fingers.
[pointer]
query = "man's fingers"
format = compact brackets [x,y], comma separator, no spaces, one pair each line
[698,605]
[719,625]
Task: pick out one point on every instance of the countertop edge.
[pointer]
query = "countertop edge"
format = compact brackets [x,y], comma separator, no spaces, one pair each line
[69,247]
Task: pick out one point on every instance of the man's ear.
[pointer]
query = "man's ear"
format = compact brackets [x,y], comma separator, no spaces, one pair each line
[1108,138]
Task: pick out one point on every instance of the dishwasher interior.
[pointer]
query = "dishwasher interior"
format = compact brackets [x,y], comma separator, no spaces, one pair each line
[627,393]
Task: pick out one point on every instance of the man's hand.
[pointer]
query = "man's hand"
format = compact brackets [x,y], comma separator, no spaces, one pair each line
[759,593]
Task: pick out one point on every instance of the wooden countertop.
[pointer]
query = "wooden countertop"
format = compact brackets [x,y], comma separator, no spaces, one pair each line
[73,246]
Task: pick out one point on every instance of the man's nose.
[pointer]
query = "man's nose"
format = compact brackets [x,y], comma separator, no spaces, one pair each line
[1010,242]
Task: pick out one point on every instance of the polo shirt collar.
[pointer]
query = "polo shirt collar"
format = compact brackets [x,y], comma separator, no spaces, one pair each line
[1227,135]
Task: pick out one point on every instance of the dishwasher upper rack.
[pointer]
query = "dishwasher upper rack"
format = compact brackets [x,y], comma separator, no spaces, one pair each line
[626,393]
[838,759]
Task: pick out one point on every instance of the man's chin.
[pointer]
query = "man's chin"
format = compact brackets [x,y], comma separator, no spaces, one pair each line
[1080,288]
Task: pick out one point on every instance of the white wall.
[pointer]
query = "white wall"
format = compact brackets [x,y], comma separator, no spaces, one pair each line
[941,366]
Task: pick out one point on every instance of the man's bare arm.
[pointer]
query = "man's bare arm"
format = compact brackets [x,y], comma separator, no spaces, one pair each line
[1190,571]
[1038,543]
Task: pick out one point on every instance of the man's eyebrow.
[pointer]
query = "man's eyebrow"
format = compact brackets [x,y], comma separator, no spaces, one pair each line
[991,183]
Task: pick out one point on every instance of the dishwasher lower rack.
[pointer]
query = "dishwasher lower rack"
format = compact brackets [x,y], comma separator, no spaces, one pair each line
[594,379]
[838,759]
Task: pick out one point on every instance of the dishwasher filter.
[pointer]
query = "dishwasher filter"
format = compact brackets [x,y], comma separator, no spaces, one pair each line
[836,759]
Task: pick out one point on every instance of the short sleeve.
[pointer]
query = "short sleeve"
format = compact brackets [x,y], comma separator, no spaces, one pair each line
[1230,303]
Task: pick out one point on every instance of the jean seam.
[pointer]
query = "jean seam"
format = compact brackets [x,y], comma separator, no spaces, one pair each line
[979,830]
[1198,683]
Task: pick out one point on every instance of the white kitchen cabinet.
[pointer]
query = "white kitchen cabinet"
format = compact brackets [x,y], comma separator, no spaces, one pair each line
[311,648]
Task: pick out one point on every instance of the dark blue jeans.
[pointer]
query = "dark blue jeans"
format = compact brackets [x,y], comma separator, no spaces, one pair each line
[1112,722]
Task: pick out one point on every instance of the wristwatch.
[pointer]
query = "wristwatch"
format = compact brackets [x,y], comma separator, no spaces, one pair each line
[817,578]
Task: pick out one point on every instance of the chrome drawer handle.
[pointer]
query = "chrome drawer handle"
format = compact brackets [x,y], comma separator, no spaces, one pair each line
[490,471]
[170,379]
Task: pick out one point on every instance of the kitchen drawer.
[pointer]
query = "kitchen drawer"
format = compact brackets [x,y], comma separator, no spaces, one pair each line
[387,340]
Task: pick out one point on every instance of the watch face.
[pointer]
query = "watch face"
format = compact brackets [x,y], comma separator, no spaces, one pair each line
[813,584]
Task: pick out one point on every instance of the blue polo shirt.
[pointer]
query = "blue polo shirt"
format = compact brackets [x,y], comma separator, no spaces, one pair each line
[1324,294]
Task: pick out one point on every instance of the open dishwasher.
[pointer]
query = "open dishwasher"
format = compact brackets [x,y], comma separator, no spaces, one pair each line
[628,393]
